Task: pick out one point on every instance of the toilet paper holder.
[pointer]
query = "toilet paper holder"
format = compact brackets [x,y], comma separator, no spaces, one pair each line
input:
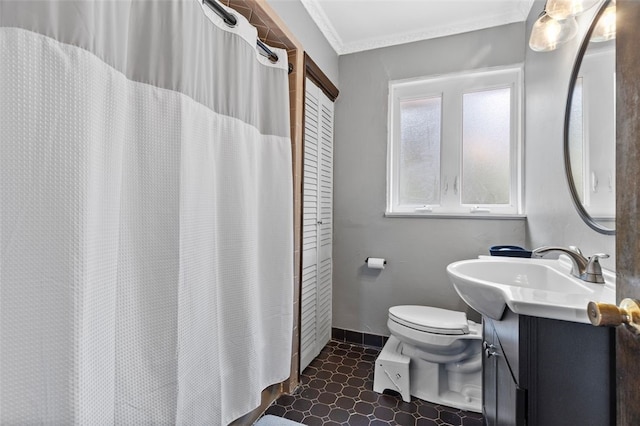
[367,261]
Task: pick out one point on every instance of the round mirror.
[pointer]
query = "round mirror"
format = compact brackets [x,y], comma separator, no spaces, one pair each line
[589,127]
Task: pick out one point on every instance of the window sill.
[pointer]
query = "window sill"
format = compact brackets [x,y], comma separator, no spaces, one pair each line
[495,216]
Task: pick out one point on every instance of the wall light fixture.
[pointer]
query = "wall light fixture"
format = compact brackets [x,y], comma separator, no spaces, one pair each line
[557,24]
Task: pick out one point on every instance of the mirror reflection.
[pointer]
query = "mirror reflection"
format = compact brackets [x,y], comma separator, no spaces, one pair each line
[592,133]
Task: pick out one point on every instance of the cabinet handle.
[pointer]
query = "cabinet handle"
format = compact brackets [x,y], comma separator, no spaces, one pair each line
[607,315]
[490,349]
[491,352]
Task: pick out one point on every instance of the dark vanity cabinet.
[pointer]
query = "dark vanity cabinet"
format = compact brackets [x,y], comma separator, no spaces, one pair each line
[545,372]
[503,398]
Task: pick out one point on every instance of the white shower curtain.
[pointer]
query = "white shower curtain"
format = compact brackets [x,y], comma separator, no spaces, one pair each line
[146,231]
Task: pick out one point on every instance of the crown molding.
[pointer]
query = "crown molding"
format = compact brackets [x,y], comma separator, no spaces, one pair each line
[324,24]
[317,13]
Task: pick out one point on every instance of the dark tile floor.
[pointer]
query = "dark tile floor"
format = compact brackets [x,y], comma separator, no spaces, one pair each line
[336,389]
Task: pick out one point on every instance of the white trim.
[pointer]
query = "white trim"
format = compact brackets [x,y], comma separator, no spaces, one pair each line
[427,34]
[323,22]
[455,216]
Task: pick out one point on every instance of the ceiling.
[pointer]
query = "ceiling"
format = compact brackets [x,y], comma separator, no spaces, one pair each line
[356,25]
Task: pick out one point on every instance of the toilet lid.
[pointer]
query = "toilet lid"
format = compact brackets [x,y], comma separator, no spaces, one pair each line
[430,320]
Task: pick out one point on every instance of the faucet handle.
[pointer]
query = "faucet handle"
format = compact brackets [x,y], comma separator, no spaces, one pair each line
[576,249]
[594,259]
[594,270]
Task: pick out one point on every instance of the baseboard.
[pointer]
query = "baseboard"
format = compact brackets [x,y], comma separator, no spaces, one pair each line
[359,338]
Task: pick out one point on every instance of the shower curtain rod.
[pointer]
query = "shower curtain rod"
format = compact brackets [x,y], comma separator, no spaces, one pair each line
[231,21]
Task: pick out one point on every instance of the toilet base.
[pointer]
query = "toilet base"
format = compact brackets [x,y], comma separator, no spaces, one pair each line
[397,368]
[432,382]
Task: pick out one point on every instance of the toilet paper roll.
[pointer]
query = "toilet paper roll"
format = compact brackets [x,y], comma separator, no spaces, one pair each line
[375,262]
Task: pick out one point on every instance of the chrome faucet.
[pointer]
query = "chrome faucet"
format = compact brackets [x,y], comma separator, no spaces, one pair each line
[587,269]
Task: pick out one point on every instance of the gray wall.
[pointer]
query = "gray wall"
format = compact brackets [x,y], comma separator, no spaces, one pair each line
[299,22]
[417,250]
[551,216]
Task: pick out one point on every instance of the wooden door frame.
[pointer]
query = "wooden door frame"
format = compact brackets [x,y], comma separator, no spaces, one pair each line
[627,204]
[315,74]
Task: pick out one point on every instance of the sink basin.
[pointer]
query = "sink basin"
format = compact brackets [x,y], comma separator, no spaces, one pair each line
[537,287]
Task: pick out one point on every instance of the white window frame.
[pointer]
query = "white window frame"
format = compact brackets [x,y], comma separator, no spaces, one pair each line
[452,87]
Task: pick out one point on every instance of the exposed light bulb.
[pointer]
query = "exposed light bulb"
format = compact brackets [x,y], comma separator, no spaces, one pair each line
[552,31]
[548,33]
[606,27]
[563,9]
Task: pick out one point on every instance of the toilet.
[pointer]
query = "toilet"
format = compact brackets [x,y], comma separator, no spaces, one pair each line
[433,354]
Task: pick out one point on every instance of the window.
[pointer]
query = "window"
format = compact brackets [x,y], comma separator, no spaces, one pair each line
[454,145]
[592,133]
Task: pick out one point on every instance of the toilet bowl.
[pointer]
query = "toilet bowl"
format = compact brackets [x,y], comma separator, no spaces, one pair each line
[433,354]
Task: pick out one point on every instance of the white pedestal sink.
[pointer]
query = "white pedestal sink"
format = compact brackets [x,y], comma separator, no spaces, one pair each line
[536,287]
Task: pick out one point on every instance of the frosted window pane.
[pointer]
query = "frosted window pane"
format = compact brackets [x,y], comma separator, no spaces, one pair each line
[419,168]
[576,139]
[486,141]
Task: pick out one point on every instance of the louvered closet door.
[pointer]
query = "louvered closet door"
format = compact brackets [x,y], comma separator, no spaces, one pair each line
[317,226]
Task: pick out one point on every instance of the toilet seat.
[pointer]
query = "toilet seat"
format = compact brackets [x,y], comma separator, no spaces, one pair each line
[430,320]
